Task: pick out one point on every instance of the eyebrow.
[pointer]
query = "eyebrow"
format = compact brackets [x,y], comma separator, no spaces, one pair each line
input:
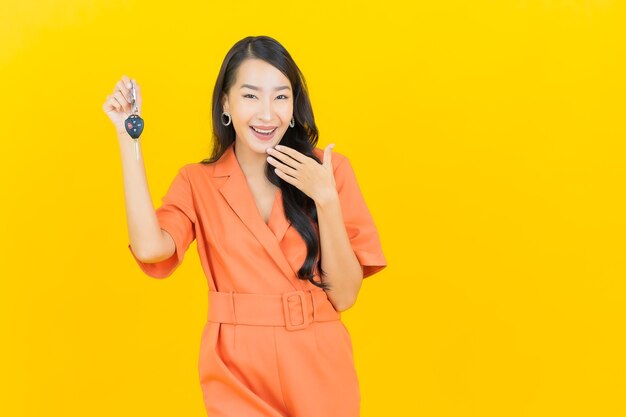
[252,87]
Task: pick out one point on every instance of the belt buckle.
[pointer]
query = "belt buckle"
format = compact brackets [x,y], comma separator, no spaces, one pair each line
[304,308]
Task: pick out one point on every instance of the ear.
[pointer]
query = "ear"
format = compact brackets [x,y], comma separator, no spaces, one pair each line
[224,102]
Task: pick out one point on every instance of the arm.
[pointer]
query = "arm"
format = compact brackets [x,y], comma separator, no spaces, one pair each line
[148,241]
[350,246]
[344,273]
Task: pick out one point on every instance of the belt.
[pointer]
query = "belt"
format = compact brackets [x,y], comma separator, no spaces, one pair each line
[294,310]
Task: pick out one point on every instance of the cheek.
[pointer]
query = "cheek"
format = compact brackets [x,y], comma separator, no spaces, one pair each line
[286,112]
[242,114]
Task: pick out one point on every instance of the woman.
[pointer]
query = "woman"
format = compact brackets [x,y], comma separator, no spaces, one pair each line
[283,234]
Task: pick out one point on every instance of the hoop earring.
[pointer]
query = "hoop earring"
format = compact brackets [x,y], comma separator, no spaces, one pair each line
[229,118]
[292,123]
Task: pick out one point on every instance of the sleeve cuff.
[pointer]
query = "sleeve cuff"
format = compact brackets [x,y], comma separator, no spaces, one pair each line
[166,267]
[371,262]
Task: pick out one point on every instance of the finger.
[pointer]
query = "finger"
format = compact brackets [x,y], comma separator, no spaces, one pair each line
[328,155]
[109,104]
[126,81]
[285,168]
[291,180]
[120,86]
[121,101]
[112,104]
[283,157]
[291,152]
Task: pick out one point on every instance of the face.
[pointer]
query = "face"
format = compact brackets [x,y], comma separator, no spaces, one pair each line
[261,97]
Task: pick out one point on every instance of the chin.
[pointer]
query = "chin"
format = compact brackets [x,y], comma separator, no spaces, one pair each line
[261,146]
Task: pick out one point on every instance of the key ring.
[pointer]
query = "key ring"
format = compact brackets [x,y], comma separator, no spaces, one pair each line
[134,123]
[134,93]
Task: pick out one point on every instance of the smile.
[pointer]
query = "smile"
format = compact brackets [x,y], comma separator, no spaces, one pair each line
[263,132]
[263,135]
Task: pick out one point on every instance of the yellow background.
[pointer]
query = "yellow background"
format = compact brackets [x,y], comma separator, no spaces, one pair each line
[488,139]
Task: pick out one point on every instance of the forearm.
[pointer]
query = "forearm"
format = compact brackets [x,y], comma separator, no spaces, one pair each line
[144,232]
[344,274]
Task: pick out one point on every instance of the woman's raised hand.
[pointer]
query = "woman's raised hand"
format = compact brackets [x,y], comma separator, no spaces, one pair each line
[118,105]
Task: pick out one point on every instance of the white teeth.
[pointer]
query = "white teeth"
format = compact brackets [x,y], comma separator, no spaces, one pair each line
[262,131]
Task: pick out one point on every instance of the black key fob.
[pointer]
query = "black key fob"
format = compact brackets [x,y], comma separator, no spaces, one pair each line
[134,126]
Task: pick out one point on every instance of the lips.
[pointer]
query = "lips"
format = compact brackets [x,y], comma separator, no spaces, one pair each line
[264,136]
[264,130]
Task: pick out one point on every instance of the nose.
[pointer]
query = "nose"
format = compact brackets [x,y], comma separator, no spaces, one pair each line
[265,112]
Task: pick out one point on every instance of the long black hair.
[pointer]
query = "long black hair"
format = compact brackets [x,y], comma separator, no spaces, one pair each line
[299,208]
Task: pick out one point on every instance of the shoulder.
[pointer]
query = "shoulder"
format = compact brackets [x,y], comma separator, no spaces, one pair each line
[193,175]
[195,169]
[190,167]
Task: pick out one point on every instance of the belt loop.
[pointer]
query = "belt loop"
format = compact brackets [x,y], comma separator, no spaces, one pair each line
[232,306]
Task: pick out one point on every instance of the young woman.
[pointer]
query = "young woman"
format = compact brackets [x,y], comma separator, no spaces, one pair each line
[284,237]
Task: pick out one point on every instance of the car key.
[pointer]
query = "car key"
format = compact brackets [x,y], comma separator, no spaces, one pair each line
[134,123]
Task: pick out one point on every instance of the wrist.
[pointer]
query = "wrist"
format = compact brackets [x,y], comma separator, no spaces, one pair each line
[327,200]
[124,139]
[122,135]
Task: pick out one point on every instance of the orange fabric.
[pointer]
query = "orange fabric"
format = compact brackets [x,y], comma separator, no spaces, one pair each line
[263,368]
[296,309]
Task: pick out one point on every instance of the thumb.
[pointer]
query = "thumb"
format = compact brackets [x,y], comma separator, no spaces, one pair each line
[327,155]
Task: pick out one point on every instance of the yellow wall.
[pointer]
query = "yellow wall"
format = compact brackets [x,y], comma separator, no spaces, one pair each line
[488,138]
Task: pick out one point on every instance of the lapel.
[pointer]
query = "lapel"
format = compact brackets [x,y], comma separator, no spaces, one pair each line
[236,191]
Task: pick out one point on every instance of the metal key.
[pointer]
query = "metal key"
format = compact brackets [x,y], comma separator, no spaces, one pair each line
[134,123]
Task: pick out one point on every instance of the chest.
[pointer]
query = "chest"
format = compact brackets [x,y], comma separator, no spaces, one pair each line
[264,198]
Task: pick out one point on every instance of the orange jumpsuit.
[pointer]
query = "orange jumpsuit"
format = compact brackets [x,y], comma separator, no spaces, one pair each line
[273,345]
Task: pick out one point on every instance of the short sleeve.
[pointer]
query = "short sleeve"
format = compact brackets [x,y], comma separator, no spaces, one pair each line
[359,223]
[177,217]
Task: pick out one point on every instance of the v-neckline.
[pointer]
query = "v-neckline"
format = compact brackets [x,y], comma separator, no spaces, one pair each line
[238,194]
[251,194]
[231,184]
[272,210]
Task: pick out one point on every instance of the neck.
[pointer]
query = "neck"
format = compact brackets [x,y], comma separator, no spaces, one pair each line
[252,163]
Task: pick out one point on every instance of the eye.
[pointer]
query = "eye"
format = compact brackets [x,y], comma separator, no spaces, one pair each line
[282,95]
[246,95]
